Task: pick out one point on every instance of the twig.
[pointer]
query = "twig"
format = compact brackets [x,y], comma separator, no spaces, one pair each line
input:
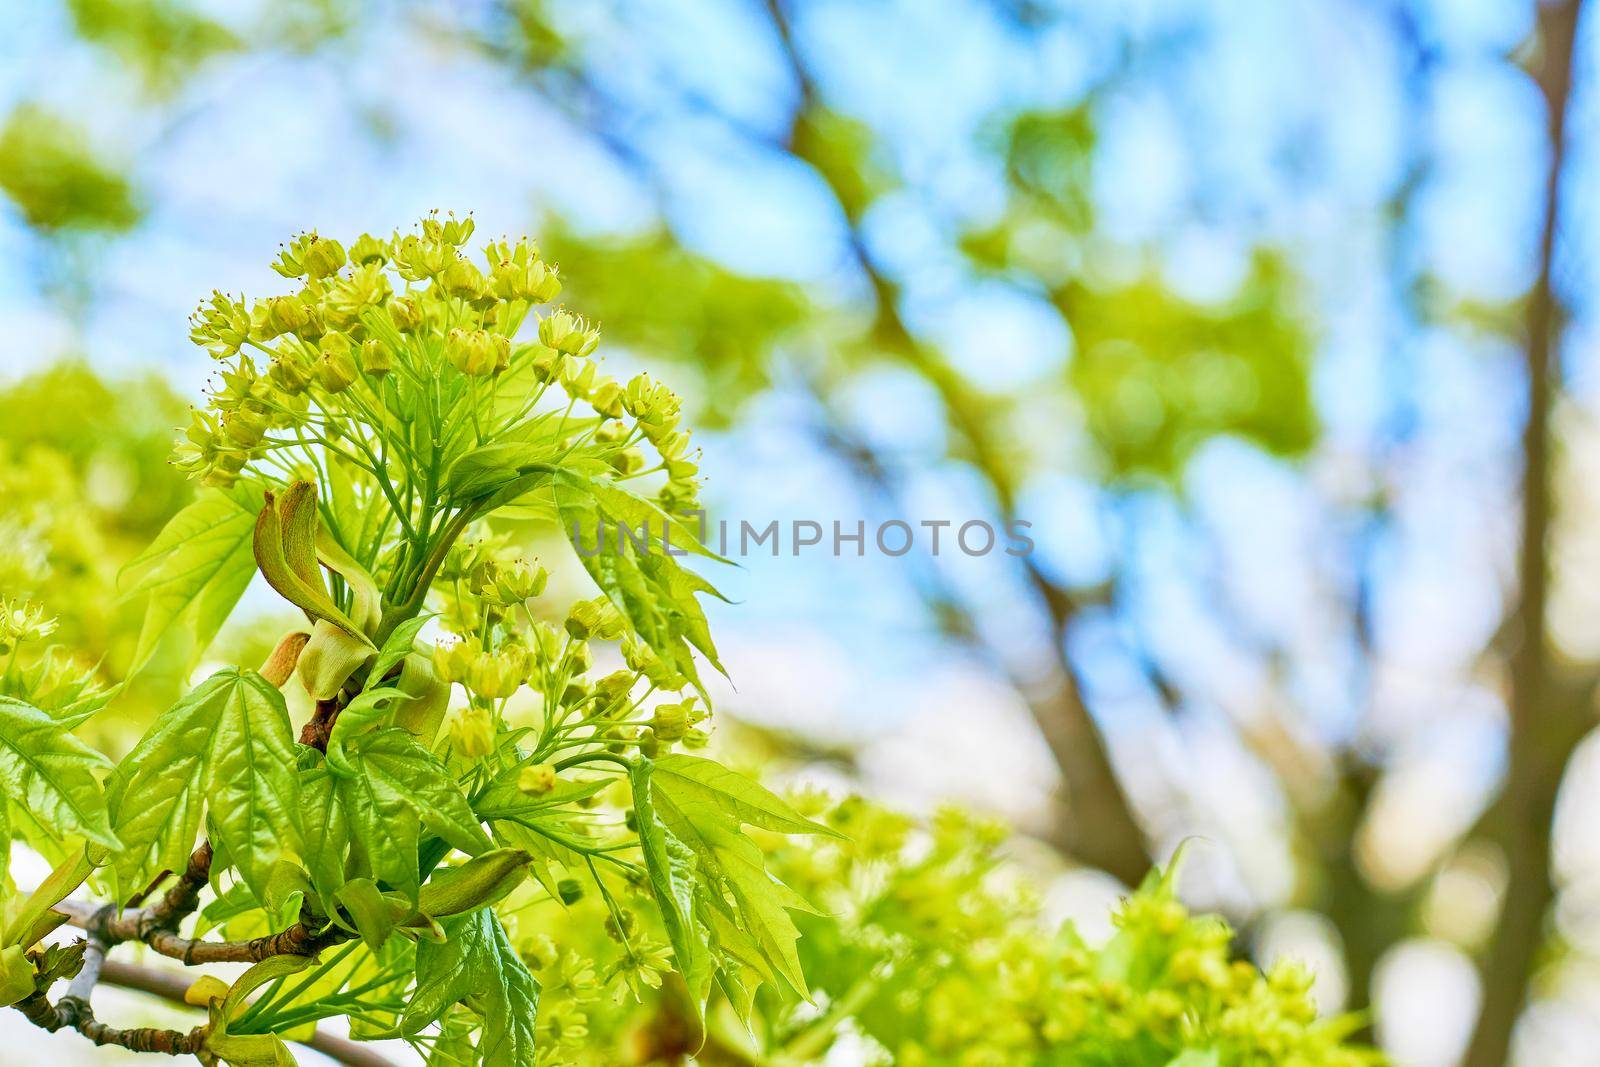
[298,940]
[172,987]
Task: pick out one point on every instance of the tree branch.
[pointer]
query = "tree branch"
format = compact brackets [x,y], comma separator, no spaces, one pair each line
[1102,828]
[172,987]
[298,940]
[1543,731]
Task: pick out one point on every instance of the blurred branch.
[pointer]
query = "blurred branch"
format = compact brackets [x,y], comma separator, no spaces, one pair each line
[1103,830]
[1543,730]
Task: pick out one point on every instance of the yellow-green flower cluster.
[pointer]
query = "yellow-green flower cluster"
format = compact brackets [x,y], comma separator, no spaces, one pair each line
[374,331]
[496,648]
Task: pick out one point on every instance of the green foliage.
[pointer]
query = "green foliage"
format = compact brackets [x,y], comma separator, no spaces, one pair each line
[1157,375]
[1160,375]
[162,39]
[720,325]
[407,395]
[476,964]
[50,173]
[47,775]
[226,753]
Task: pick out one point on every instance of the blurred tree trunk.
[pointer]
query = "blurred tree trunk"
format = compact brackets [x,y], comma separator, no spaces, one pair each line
[1098,826]
[1543,730]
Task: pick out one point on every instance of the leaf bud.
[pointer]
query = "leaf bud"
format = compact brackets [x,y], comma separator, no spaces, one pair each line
[484,880]
[203,990]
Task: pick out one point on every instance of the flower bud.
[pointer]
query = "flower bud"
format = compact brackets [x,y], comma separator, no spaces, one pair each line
[405,313]
[495,675]
[695,739]
[462,279]
[577,377]
[336,370]
[594,618]
[612,432]
[244,428]
[481,578]
[669,722]
[322,256]
[643,659]
[547,364]
[570,890]
[368,249]
[612,690]
[579,659]
[606,397]
[472,732]
[452,662]
[376,359]
[540,283]
[452,231]
[547,643]
[475,352]
[629,461]
[286,314]
[537,779]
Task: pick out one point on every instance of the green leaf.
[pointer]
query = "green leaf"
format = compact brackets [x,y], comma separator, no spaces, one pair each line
[268,970]
[397,788]
[225,751]
[1196,1058]
[695,779]
[373,917]
[654,593]
[367,711]
[393,760]
[477,965]
[50,773]
[196,569]
[731,862]
[489,469]
[503,799]
[399,645]
[670,866]
[325,831]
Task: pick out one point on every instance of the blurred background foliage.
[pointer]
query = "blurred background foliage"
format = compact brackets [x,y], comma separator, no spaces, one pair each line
[1271,319]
